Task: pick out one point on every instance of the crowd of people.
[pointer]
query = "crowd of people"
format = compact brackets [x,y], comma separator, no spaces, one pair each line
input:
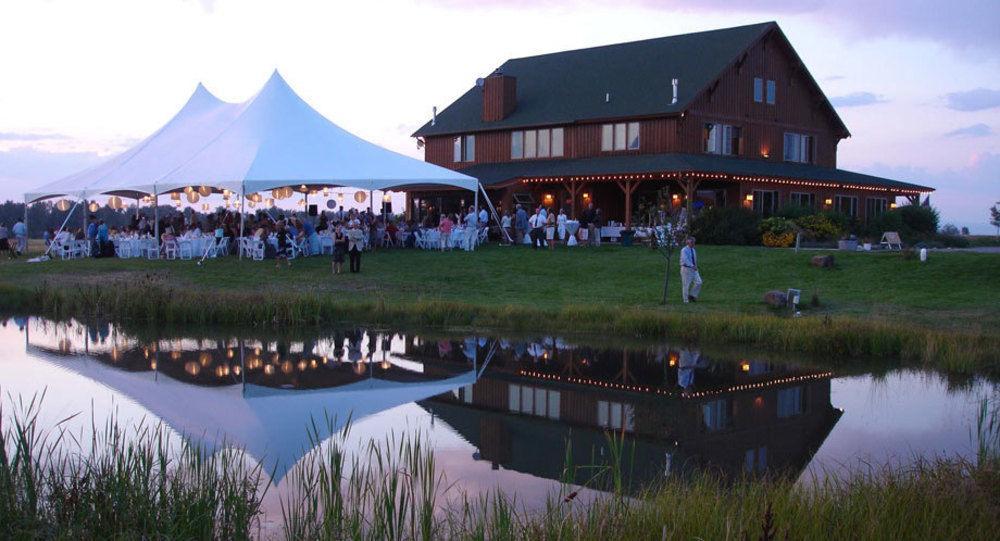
[546,227]
[18,233]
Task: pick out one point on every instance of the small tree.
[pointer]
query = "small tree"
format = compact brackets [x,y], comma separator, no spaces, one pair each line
[669,234]
[995,217]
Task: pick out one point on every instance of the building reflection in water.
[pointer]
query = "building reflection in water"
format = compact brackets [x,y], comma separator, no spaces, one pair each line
[678,409]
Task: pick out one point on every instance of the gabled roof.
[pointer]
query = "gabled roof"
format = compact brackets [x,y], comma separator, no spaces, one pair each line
[570,86]
[498,173]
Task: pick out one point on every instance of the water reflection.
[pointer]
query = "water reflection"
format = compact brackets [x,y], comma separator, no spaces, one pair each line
[517,402]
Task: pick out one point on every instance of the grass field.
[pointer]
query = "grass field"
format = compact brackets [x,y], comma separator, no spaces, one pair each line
[954,293]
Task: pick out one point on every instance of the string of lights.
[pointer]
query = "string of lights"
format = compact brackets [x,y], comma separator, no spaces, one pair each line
[664,392]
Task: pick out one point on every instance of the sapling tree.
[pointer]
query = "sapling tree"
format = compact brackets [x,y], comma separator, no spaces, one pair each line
[668,235]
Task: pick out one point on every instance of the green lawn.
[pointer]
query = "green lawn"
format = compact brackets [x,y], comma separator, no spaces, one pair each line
[957,290]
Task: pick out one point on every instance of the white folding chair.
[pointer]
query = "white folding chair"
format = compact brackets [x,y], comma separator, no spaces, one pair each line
[221,247]
[170,250]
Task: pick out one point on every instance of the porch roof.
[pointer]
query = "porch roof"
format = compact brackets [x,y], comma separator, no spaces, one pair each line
[673,165]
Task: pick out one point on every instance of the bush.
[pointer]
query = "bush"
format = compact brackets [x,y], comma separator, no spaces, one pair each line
[919,223]
[820,227]
[778,240]
[778,232]
[887,221]
[726,226]
[794,211]
[953,241]
[950,230]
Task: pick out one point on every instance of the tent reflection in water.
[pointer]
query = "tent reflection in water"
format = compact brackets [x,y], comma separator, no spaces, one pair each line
[273,140]
[273,425]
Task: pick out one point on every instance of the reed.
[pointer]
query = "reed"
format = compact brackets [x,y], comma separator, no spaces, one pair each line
[130,483]
[841,339]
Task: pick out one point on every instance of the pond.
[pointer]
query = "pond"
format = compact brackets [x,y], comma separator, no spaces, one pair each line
[498,411]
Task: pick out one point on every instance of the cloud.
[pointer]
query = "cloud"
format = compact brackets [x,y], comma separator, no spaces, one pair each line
[835,78]
[961,24]
[857,99]
[22,169]
[975,130]
[18,137]
[977,99]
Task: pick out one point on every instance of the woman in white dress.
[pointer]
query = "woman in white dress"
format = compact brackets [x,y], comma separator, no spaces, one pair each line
[561,224]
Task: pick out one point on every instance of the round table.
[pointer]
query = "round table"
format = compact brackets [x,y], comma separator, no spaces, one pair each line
[571,228]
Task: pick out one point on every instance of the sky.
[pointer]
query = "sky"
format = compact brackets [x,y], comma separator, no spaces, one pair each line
[917,82]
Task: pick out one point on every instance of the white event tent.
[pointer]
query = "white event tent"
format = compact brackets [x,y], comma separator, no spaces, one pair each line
[273,140]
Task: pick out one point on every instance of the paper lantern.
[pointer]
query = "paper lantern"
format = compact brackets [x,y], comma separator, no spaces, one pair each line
[188,189]
[340,196]
[64,205]
[360,196]
[204,207]
[330,204]
[93,206]
[270,202]
[252,204]
[226,194]
[176,196]
[193,197]
[205,191]
[303,188]
[177,203]
[326,192]
[115,202]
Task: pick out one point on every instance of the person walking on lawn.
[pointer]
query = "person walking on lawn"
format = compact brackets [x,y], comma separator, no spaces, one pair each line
[690,278]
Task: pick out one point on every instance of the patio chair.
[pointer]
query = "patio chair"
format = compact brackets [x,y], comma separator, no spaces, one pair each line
[221,247]
[891,240]
[170,250]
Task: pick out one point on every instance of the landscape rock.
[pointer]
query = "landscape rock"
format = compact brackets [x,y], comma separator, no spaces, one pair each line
[776,298]
[822,261]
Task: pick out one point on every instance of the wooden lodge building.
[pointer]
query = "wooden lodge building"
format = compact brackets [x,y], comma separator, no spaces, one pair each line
[725,117]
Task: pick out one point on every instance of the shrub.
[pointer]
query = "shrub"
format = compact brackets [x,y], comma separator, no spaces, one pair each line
[778,240]
[778,232]
[820,227]
[794,211]
[919,223]
[950,230]
[953,241]
[887,221]
[726,226]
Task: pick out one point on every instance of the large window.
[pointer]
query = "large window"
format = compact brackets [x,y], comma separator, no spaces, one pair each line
[846,205]
[803,199]
[798,148]
[533,401]
[717,414]
[621,136]
[536,144]
[765,202]
[464,148]
[616,415]
[723,139]
[875,206]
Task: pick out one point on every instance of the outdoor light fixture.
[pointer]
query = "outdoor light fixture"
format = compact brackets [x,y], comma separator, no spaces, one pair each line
[750,198]
[892,205]
[675,197]
[548,198]
[586,195]
[828,202]
[745,366]
[765,153]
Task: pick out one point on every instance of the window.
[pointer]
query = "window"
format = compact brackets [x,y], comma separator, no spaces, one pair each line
[621,136]
[716,414]
[464,148]
[517,145]
[615,415]
[846,205]
[789,402]
[875,206]
[536,143]
[557,142]
[530,144]
[723,139]
[802,199]
[758,89]
[755,460]
[798,148]
[771,89]
[533,401]
[765,202]
[607,137]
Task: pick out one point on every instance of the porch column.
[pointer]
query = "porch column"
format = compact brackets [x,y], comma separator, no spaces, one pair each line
[690,186]
[913,199]
[573,187]
[629,187]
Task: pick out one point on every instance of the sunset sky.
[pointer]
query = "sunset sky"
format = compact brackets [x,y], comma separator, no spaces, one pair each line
[917,82]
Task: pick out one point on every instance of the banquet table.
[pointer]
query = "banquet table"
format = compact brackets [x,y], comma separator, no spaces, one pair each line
[571,228]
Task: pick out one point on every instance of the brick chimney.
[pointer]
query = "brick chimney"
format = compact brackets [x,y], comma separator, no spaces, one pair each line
[499,97]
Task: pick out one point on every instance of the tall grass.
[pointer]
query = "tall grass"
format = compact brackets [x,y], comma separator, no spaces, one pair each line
[119,483]
[133,484]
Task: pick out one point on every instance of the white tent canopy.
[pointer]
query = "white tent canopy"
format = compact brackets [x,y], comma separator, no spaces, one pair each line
[275,139]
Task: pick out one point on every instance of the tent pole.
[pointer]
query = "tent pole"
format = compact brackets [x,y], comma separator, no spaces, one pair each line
[85,211]
[475,239]
[370,210]
[156,220]
[26,230]
[243,198]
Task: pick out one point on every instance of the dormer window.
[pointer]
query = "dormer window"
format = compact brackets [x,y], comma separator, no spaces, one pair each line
[620,136]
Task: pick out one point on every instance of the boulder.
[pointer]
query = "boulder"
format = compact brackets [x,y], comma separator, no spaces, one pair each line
[822,261]
[775,298]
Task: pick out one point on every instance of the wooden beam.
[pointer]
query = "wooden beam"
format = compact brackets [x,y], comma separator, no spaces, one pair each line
[628,188]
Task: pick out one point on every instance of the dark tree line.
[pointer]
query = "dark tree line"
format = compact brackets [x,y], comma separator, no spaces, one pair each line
[44,215]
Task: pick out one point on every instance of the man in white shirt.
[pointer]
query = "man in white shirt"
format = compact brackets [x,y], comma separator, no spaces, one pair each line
[471,219]
[484,217]
[690,279]
[537,222]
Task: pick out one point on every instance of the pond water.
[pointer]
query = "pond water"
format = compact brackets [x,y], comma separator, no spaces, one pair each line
[498,411]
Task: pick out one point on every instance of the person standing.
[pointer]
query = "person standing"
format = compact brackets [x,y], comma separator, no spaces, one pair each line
[596,223]
[4,242]
[561,225]
[444,228]
[587,222]
[282,233]
[505,231]
[537,222]
[355,243]
[520,224]
[21,234]
[550,230]
[339,249]
[690,278]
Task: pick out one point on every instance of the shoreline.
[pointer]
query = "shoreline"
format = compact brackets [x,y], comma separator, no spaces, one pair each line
[831,337]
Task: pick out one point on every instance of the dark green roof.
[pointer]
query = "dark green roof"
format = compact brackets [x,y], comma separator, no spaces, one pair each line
[570,86]
[496,173]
